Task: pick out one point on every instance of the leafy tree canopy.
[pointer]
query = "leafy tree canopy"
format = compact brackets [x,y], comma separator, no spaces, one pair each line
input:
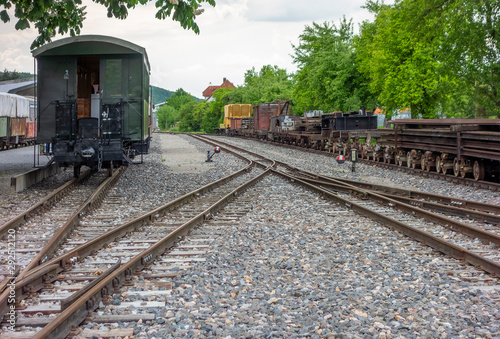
[327,76]
[51,17]
[439,57]
[269,84]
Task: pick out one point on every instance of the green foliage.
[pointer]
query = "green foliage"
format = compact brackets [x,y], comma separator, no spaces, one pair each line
[269,84]
[183,108]
[179,99]
[167,116]
[438,57]
[191,115]
[53,16]
[327,76]
[160,95]
[13,75]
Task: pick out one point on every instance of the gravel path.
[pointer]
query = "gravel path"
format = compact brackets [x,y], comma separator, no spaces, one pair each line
[297,266]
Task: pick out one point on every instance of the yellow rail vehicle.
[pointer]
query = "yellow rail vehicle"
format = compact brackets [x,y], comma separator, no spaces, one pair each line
[235,111]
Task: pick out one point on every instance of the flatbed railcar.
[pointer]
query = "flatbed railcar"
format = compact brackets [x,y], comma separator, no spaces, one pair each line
[273,122]
[93,99]
[462,147]
[459,147]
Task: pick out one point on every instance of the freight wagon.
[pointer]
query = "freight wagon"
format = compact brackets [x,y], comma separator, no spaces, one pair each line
[462,147]
[17,123]
[93,100]
[459,147]
[232,117]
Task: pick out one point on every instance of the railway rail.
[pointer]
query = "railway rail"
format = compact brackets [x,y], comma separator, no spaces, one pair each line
[477,244]
[131,269]
[55,217]
[399,166]
[133,245]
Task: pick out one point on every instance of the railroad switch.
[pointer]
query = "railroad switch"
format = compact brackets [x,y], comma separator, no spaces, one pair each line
[210,155]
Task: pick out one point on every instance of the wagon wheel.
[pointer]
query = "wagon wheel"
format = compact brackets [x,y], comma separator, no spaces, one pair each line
[463,173]
[423,165]
[408,159]
[398,159]
[387,156]
[438,164]
[478,170]
[456,167]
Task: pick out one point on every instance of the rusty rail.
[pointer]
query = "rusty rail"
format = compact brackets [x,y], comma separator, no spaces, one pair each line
[89,301]
[416,234]
[49,200]
[441,245]
[25,286]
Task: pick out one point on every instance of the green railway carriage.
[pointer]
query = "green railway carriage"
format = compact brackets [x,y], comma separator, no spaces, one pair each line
[93,100]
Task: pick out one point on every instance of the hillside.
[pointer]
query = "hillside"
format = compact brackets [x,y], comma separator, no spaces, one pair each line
[160,94]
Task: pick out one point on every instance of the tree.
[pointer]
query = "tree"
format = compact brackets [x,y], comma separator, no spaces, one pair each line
[179,99]
[269,84]
[327,76]
[54,16]
[439,57]
[191,115]
[6,75]
[167,116]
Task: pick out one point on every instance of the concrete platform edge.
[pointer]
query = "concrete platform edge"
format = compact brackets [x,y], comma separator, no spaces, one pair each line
[25,180]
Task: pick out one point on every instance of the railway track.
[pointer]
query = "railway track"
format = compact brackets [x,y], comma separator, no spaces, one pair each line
[482,184]
[34,235]
[476,244]
[108,259]
[134,273]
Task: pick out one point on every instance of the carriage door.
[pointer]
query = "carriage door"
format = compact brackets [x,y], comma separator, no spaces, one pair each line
[113,88]
[56,108]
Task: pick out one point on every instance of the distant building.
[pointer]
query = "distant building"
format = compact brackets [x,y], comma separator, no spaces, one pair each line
[23,87]
[154,122]
[207,93]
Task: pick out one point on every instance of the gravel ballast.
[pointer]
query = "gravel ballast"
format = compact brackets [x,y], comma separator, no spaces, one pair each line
[326,165]
[298,266]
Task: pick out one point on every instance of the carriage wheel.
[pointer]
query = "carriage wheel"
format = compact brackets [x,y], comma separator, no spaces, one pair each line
[439,164]
[423,165]
[478,170]
[463,173]
[399,158]
[456,167]
[76,171]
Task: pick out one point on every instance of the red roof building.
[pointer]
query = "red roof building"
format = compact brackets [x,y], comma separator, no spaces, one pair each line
[207,93]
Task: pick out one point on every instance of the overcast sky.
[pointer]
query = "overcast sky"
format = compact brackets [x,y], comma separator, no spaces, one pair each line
[235,36]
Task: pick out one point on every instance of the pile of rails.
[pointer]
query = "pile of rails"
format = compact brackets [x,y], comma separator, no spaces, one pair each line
[460,147]
[464,147]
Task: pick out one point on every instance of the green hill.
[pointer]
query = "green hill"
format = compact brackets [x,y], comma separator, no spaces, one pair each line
[160,95]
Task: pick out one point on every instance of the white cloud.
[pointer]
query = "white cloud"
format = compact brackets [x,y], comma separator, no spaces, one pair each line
[299,11]
[236,35]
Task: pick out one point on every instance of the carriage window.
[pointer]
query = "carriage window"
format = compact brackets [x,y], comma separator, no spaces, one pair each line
[113,78]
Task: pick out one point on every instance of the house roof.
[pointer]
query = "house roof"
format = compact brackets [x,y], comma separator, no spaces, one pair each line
[209,91]
[23,87]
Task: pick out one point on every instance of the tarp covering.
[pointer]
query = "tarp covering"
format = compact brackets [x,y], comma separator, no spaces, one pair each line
[14,106]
